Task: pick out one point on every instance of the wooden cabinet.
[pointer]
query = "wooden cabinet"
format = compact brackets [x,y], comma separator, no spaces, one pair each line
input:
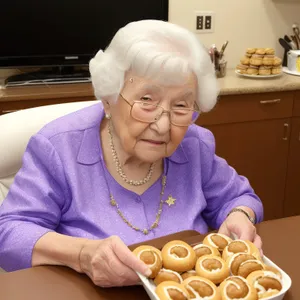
[258,150]
[292,192]
[16,98]
[252,133]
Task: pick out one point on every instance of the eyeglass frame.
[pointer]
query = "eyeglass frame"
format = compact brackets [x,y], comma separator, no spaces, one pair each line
[163,111]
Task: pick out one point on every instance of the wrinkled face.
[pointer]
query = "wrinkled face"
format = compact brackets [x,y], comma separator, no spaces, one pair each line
[150,142]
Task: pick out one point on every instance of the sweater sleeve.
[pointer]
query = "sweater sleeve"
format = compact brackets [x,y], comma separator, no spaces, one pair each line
[33,205]
[223,188]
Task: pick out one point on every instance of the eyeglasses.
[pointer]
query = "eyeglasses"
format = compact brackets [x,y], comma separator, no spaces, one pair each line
[146,112]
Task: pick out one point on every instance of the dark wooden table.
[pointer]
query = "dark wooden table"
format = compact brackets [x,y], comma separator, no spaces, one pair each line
[281,244]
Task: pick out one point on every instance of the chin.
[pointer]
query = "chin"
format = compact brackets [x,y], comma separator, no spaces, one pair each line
[151,156]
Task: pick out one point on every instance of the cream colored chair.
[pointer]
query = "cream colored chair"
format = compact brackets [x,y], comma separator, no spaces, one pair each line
[15,131]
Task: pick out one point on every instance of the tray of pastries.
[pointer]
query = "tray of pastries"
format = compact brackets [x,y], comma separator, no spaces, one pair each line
[259,63]
[219,268]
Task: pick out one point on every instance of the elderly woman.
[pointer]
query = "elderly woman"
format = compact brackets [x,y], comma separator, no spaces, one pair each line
[130,169]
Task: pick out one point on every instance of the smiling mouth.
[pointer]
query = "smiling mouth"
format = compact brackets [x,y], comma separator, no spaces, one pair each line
[154,142]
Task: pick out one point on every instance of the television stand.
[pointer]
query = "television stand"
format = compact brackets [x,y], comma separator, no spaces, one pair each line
[56,75]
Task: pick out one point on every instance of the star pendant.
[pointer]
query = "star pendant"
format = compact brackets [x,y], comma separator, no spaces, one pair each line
[171,200]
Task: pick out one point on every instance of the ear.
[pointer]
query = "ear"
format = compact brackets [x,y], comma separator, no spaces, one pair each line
[106,105]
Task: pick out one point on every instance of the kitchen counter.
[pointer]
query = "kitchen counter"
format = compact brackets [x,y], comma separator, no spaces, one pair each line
[233,84]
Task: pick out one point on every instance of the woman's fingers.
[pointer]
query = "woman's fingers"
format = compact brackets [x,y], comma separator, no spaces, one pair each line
[128,258]
[258,243]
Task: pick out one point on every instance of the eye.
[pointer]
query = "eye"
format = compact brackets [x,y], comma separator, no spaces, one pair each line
[181,105]
[146,98]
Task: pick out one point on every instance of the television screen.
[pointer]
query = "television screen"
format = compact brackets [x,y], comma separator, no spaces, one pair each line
[66,32]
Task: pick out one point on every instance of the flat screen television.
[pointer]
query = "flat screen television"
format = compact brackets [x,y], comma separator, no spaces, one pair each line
[63,34]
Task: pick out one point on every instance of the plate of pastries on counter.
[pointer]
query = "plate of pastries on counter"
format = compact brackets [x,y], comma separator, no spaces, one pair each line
[259,63]
[218,268]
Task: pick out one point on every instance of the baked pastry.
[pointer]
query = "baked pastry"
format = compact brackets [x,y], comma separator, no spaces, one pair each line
[252,70]
[242,69]
[242,264]
[188,274]
[268,60]
[248,54]
[264,70]
[266,283]
[171,290]
[245,60]
[212,267]
[256,60]
[260,51]
[178,256]
[167,275]
[274,270]
[240,246]
[201,288]
[217,240]
[203,249]
[251,50]
[276,70]
[270,51]
[236,287]
[277,61]
[150,256]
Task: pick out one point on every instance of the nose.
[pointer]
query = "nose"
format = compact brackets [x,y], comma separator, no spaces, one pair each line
[162,123]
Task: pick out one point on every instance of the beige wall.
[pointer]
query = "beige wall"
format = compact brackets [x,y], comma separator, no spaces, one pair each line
[245,23]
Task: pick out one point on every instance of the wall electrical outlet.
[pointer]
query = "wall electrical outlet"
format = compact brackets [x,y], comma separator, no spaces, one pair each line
[205,21]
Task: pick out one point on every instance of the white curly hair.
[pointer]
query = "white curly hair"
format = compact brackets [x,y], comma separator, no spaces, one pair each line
[157,50]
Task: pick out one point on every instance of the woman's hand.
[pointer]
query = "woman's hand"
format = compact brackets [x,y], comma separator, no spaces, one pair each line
[109,262]
[238,224]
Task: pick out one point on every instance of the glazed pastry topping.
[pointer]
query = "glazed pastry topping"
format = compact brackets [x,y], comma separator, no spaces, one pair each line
[218,240]
[265,282]
[167,275]
[238,246]
[236,288]
[199,287]
[188,274]
[202,249]
[237,262]
[250,266]
[211,264]
[174,293]
[179,252]
[148,257]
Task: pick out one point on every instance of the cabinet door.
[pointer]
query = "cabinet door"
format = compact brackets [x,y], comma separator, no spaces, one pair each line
[259,151]
[292,195]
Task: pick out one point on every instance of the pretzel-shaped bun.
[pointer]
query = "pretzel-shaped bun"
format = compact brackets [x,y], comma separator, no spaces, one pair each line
[171,290]
[213,268]
[236,287]
[267,283]
[217,240]
[241,264]
[201,288]
[167,275]
[240,246]
[203,249]
[151,256]
[178,256]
